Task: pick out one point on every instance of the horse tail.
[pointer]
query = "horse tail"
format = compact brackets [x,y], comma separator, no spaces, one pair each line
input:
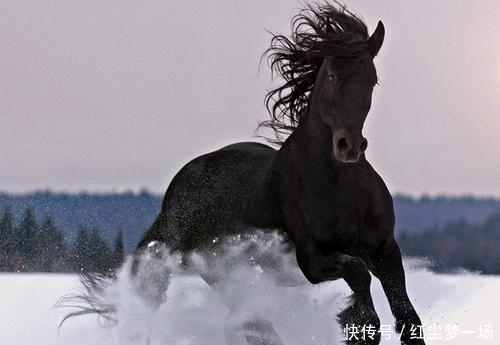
[91,299]
[145,275]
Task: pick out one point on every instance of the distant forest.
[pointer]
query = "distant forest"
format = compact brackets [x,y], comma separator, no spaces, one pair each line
[60,232]
[458,244]
[30,246]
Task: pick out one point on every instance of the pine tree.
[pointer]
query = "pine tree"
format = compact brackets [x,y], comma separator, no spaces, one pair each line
[118,254]
[79,256]
[100,253]
[50,248]
[7,239]
[91,252]
[27,243]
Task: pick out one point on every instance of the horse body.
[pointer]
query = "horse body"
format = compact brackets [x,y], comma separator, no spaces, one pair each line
[338,216]
[243,186]
[318,188]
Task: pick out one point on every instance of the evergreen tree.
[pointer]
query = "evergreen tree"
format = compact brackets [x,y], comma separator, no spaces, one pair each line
[118,254]
[7,239]
[79,254]
[50,248]
[91,252]
[100,253]
[27,242]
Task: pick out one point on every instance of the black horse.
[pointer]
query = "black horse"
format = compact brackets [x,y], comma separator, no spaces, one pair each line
[318,188]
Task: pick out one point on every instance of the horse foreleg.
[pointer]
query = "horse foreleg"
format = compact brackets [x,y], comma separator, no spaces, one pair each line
[387,266]
[360,313]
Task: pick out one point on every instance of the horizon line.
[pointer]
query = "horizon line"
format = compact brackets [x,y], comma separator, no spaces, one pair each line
[145,190]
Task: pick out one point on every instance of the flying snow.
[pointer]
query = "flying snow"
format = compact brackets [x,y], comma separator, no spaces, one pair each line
[195,313]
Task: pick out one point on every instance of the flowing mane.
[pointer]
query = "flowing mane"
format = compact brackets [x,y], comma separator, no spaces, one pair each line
[318,31]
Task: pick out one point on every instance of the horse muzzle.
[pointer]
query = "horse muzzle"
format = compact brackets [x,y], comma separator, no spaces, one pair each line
[348,148]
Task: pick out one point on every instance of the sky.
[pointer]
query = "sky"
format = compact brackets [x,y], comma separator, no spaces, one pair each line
[118,95]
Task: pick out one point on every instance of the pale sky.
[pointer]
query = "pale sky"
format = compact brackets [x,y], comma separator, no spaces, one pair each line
[118,95]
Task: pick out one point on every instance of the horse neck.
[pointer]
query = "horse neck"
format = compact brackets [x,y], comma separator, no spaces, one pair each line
[308,152]
[311,142]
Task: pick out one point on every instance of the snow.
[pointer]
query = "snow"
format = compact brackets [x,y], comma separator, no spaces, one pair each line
[195,314]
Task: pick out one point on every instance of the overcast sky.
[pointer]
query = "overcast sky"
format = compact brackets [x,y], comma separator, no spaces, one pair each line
[118,95]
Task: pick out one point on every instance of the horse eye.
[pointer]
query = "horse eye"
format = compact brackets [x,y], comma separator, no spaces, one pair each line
[332,77]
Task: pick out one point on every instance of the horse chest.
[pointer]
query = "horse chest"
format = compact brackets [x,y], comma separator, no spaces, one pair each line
[349,213]
[355,229]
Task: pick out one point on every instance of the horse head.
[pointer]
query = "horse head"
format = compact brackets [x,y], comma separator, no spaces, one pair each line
[343,96]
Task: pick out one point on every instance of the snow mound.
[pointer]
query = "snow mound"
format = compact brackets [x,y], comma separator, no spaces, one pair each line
[195,314]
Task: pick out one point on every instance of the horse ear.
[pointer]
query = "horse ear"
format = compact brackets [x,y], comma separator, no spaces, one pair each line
[376,39]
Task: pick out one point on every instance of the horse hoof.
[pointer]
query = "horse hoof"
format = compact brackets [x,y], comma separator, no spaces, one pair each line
[413,342]
[261,332]
[354,315]
[360,326]
[409,326]
[406,339]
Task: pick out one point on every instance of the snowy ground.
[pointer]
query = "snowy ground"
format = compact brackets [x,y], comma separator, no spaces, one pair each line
[194,314]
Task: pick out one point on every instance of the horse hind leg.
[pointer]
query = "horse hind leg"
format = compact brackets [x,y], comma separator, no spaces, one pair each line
[151,272]
[241,329]
[241,326]
[148,278]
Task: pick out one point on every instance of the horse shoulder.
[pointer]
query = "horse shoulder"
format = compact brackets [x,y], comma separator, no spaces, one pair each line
[379,220]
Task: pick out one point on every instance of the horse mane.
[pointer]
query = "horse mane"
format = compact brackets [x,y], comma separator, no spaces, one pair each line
[318,31]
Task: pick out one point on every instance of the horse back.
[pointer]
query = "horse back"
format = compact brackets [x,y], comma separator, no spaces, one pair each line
[215,195]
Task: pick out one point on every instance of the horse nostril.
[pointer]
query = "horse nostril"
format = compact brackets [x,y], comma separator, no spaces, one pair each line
[342,144]
[364,145]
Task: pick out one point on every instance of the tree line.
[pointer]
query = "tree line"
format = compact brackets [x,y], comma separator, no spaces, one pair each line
[32,246]
[458,244]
